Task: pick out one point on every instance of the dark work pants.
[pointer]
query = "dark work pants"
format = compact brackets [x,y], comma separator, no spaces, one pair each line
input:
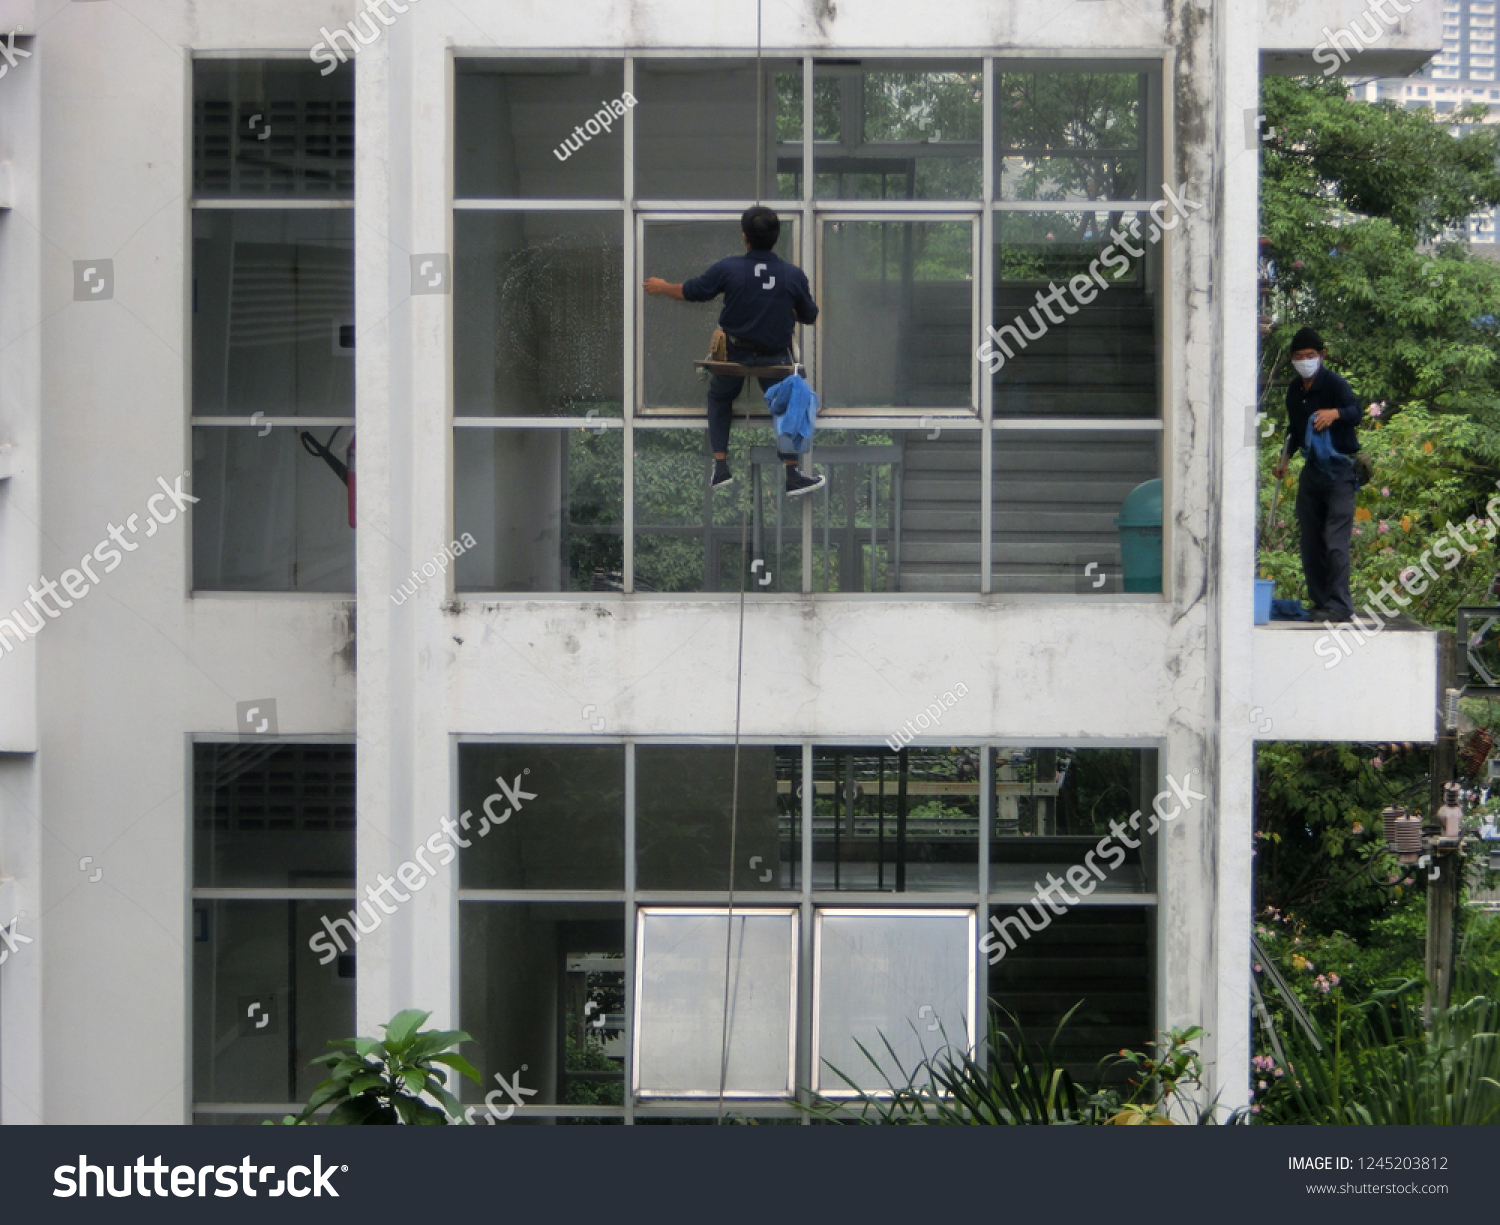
[1325,517]
[724,389]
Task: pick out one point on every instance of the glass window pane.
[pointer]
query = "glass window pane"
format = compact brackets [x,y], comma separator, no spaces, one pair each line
[696,129]
[516,129]
[676,334]
[688,537]
[1097,958]
[538,314]
[900,511]
[542,991]
[273,312]
[897,821]
[1068,812]
[267,815]
[683,797]
[889,978]
[887,132]
[899,314]
[543,507]
[569,831]
[1057,498]
[1076,320]
[1069,136]
[270,516]
[263,1006]
[270,128]
[856,519]
[680,1002]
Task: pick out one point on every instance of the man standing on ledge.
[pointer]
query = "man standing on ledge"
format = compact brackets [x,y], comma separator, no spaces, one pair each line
[1325,492]
[764,296]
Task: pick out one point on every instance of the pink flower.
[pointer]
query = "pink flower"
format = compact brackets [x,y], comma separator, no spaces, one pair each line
[1254,1109]
[1385,491]
[1297,263]
[1376,409]
[1334,979]
[1384,527]
[1260,1084]
[1257,967]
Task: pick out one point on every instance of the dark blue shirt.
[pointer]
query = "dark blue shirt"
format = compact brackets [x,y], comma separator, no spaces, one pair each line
[1328,390]
[763,297]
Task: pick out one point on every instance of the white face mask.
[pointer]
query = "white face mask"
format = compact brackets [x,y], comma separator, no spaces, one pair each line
[1308,368]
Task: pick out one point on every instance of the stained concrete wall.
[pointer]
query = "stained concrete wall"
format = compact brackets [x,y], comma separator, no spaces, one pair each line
[127,677]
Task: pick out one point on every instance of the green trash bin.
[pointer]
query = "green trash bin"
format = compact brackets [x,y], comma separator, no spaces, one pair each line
[1139,522]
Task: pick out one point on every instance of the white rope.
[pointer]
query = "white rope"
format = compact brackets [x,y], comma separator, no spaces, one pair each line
[739,667]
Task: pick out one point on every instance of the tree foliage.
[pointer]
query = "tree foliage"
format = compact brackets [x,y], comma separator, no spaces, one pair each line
[1350,192]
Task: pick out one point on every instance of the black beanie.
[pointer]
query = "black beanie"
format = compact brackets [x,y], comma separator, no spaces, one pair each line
[1306,338]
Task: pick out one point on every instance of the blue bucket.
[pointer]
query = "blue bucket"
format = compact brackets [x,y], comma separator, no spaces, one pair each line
[1265,590]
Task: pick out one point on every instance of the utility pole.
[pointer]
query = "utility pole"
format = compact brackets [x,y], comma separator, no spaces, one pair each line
[1444,869]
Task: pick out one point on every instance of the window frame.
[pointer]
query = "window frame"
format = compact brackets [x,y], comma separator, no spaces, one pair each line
[813,212]
[257,422]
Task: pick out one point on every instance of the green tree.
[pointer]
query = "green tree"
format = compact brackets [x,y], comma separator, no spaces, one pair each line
[1353,197]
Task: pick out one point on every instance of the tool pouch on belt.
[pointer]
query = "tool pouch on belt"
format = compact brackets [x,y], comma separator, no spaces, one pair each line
[718,347]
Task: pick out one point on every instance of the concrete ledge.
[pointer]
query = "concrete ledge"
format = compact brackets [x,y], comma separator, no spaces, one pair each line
[1294,36]
[1313,682]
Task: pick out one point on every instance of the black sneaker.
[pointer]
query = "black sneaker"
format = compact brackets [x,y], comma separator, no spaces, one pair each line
[722,475]
[797,484]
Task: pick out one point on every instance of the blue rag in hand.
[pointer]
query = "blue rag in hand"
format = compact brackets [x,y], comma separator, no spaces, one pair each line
[794,408]
[1319,449]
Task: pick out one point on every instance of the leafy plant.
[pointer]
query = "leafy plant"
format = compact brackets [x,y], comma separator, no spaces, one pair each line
[383,1082]
[1024,1084]
[1380,1066]
[1157,1076]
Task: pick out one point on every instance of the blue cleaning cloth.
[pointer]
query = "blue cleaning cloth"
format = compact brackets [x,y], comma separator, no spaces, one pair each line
[1289,610]
[1319,449]
[794,408]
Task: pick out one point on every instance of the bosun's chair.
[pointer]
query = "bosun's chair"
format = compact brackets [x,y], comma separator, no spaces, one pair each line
[712,365]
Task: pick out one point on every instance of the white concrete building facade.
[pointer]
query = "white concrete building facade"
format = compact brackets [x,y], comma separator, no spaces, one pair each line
[223,251]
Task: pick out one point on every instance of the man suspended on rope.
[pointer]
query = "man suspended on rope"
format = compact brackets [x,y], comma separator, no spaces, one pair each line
[764,297]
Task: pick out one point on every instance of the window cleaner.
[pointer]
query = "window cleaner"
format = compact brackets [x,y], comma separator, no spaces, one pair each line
[765,297]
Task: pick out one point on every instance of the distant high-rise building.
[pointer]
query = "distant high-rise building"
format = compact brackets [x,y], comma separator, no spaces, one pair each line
[1462,74]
